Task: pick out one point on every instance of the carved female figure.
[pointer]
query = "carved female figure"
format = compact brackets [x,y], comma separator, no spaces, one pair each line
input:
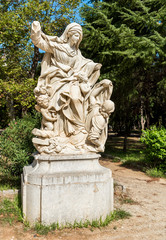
[63,68]
[69,78]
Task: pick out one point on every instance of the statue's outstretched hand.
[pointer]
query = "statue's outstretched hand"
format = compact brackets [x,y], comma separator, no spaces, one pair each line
[36,26]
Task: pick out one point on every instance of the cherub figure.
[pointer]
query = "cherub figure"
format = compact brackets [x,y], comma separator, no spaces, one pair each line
[83,83]
[49,114]
[98,114]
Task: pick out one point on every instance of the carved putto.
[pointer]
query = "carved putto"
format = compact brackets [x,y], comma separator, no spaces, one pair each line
[75,109]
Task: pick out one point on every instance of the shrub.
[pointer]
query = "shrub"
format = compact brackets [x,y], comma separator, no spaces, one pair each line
[155,151]
[16,145]
[154,172]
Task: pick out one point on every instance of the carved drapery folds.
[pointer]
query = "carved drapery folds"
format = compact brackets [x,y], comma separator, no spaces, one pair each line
[75,109]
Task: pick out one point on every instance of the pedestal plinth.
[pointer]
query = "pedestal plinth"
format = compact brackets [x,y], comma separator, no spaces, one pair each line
[66,188]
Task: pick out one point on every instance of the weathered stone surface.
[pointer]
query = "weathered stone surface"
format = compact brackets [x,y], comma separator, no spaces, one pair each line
[66,183]
[65,189]
[75,109]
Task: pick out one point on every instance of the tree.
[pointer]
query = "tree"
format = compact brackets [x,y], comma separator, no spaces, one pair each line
[128,38]
[19,58]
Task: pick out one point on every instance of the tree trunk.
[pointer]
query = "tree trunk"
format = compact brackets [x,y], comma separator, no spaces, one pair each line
[24,112]
[143,121]
[35,62]
[10,107]
[127,132]
[160,121]
[148,120]
[125,143]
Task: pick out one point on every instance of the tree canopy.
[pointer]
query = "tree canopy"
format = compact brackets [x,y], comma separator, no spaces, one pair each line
[128,38]
[19,61]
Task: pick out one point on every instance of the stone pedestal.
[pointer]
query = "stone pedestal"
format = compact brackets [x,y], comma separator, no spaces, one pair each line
[66,188]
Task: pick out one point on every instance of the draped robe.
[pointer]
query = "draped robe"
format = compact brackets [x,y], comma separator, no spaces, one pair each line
[59,68]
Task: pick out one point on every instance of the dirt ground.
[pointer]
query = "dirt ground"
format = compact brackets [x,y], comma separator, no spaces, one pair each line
[147,206]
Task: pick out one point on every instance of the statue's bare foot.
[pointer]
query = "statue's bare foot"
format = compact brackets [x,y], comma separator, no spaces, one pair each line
[36,132]
[39,133]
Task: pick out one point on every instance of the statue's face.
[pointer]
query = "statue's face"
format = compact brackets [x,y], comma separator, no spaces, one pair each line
[108,107]
[43,102]
[104,112]
[74,38]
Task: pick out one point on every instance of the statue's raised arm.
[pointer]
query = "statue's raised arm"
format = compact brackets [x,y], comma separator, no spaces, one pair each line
[38,37]
[65,92]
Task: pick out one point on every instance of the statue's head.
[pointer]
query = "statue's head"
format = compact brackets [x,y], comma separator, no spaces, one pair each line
[43,101]
[107,108]
[73,31]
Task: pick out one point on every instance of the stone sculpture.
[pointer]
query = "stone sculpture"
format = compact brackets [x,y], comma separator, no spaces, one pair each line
[74,108]
[65,183]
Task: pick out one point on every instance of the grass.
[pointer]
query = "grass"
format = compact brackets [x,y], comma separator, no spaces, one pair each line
[11,212]
[44,230]
[154,172]
[127,200]
[133,158]
[9,182]
[116,215]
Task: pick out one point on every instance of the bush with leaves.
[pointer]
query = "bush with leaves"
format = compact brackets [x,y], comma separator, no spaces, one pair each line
[155,151]
[16,145]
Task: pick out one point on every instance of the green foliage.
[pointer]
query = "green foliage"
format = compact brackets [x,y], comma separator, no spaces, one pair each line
[43,229]
[154,172]
[16,144]
[11,210]
[19,60]
[136,157]
[130,37]
[121,214]
[9,182]
[15,21]
[130,159]
[22,93]
[116,215]
[124,199]
[16,97]
[155,151]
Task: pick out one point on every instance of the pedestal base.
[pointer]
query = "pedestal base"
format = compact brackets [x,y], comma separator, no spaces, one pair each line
[66,188]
